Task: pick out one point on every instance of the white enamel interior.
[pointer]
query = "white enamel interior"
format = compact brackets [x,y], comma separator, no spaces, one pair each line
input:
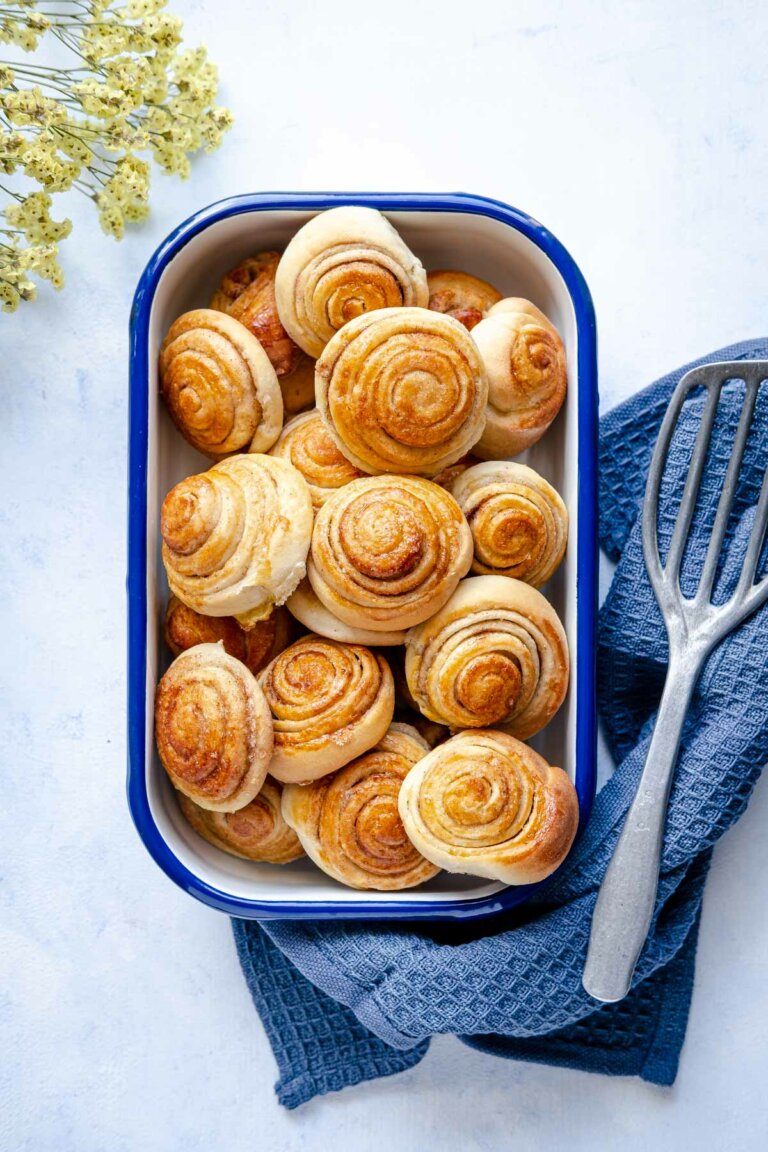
[471,243]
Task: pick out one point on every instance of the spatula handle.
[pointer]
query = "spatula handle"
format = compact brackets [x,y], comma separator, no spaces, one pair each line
[627,895]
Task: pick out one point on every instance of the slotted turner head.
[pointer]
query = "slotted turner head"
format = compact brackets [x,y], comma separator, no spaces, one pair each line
[696,620]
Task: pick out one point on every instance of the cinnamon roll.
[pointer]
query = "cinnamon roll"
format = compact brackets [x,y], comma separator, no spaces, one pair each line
[329,703]
[495,654]
[342,263]
[213,728]
[349,824]
[388,551]
[218,384]
[525,361]
[402,390]
[307,444]
[184,628]
[485,804]
[247,293]
[255,832]
[518,522]
[314,615]
[465,297]
[235,538]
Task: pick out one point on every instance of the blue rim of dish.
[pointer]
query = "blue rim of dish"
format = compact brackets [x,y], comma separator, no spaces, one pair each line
[586,557]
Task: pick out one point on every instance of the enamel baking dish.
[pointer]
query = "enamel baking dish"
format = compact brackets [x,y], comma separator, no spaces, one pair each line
[469,233]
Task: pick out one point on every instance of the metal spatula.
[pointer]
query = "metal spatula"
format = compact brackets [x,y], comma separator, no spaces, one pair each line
[695,626]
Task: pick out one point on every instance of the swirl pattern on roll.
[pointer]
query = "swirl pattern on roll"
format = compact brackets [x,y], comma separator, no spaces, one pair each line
[255,832]
[213,729]
[235,538]
[495,654]
[184,628]
[218,384]
[329,703]
[306,443]
[525,361]
[388,551]
[486,804]
[402,390]
[518,521]
[466,298]
[339,265]
[313,614]
[349,823]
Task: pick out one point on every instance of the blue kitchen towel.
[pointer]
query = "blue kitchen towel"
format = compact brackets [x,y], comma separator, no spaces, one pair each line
[350,1001]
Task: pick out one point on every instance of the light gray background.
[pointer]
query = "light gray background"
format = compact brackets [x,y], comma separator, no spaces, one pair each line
[637,133]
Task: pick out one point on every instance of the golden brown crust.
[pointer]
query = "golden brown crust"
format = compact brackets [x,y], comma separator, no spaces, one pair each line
[349,823]
[518,521]
[329,702]
[247,293]
[495,654]
[213,728]
[306,443]
[387,551]
[339,265]
[524,358]
[485,804]
[255,832]
[235,538]
[402,390]
[466,298]
[218,385]
[184,628]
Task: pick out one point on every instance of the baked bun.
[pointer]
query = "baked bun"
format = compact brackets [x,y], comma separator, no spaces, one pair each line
[342,263]
[184,628]
[524,358]
[306,443]
[402,390]
[519,523]
[235,538]
[388,551]
[219,386]
[485,804]
[465,297]
[349,824]
[329,702]
[495,654]
[247,293]
[255,832]
[213,729]
[314,615]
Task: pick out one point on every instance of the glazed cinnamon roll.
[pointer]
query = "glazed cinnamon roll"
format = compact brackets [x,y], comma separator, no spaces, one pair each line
[388,551]
[465,297]
[184,628]
[235,538]
[306,443]
[518,522]
[402,390]
[255,832]
[329,703]
[213,729]
[218,384]
[485,804]
[525,361]
[314,615]
[495,654]
[342,263]
[247,293]
[349,824]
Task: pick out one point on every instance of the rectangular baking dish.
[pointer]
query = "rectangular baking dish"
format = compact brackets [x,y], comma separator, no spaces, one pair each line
[470,233]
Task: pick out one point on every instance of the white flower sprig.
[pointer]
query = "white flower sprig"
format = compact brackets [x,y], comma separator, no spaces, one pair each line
[133,90]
